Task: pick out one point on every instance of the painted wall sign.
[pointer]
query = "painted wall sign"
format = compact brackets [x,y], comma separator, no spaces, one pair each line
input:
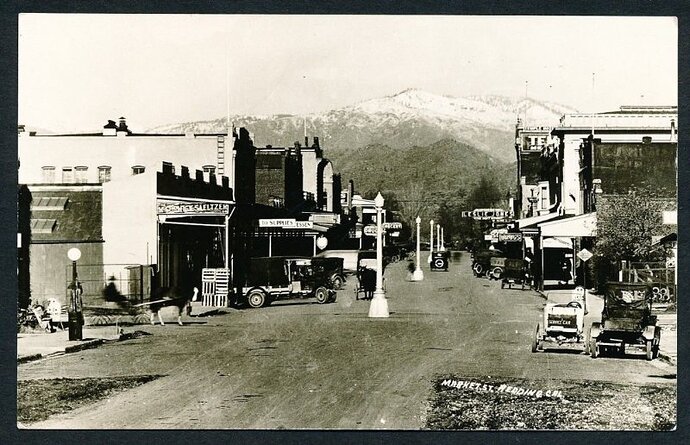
[192,208]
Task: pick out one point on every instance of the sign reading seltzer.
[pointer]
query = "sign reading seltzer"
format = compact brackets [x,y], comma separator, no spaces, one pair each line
[585,255]
[192,208]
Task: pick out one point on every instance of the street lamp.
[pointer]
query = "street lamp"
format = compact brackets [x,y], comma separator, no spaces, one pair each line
[418,275]
[443,247]
[438,237]
[379,305]
[74,314]
[431,240]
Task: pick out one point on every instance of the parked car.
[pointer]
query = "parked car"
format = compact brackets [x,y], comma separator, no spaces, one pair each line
[626,321]
[274,278]
[562,324]
[332,267]
[481,261]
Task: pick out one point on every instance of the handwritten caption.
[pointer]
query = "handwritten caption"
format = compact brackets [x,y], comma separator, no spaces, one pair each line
[502,388]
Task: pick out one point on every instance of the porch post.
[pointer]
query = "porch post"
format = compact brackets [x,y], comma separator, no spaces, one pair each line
[227,242]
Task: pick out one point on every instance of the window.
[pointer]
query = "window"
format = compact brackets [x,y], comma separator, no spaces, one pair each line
[43,225]
[67,175]
[80,174]
[49,174]
[49,203]
[138,169]
[103,174]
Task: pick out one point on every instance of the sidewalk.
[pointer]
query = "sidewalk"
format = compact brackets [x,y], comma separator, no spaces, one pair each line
[36,346]
[668,346]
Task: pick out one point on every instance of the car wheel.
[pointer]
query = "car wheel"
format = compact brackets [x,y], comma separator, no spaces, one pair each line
[593,348]
[496,273]
[256,298]
[321,294]
[337,282]
[535,340]
[478,269]
[650,350]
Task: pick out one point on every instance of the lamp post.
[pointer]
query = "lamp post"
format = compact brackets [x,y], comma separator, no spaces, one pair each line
[431,240]
[438,237]
[443,247]
[379,304]
[418,275]
[74,314]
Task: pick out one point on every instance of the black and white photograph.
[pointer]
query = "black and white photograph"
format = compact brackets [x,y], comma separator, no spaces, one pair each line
[347,222]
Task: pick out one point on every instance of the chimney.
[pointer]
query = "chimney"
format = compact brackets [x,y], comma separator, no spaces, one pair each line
[184,172]
[199,176]
[673,130]
[168,168]
[122,128]
[316,142]
[110,128]
[306,141]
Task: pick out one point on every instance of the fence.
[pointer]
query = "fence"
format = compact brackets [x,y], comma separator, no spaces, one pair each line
[112,282]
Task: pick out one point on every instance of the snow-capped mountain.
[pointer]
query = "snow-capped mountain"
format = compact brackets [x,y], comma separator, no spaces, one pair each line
[411,117]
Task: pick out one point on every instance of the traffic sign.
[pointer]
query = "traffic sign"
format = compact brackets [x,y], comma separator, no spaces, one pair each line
[585,255]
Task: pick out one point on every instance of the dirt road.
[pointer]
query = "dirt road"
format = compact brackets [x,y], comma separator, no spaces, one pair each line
[302,365]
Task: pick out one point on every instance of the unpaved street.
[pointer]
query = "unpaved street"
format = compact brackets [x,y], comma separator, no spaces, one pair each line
[298,364]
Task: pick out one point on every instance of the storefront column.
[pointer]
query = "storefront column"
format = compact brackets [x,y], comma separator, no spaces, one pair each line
[314,236]
[270,245]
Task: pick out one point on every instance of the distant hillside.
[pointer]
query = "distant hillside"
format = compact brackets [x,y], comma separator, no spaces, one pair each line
[424,178]
[409,118]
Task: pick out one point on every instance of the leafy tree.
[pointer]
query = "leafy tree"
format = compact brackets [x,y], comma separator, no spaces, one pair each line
[626,224]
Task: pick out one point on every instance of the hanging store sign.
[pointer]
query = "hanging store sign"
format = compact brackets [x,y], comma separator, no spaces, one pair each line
[392,225]
[192,208]
[510,237]
[286,223]
[370,230]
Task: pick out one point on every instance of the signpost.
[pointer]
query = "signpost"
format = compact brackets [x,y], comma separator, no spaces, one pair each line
[585,255]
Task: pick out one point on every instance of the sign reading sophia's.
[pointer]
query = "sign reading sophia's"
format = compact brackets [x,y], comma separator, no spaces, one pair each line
[192,208]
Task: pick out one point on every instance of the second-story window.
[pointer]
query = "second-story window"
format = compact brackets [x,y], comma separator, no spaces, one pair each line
[67,175]
[138,169]
[48,174]
[103,174]
[80,174]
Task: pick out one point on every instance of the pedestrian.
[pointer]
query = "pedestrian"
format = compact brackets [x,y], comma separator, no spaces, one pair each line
[565,271]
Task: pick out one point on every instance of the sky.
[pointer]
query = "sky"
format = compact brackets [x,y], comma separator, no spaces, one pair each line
[76,71]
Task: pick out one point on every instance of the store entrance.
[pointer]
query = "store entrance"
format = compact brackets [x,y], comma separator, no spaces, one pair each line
[184,250]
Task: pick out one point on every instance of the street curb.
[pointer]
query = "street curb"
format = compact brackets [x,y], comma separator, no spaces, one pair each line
[29,358]
[86,345]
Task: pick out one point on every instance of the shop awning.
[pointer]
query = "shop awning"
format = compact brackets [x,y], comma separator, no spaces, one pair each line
[531,222]
[572,227]
[557,242]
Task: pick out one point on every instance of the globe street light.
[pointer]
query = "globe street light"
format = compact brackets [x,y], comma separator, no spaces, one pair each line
[438,237]
[74,314]
[443,247]
[418,275]
[379,305]
[431,242]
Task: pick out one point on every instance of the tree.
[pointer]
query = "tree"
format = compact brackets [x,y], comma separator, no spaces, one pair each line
[626,224]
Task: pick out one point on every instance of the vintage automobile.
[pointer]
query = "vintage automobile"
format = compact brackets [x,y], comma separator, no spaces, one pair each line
[515,271]
[274,278]
[332,267]
[626,321]
[562,325]
[481,262]
[440,260]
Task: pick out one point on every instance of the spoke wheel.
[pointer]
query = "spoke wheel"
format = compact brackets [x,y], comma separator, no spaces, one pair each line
[256,298]
[321,295]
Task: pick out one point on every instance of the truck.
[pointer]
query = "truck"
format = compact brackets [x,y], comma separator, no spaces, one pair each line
[626,321]
[275,278]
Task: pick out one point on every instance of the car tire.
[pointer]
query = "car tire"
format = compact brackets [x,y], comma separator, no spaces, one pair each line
[593,348]
[496,273]
[321,294]
[649,350]
[478,269]
[337,282]
[256,298]
[535,339]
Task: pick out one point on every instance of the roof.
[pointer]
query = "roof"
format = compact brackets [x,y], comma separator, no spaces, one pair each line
[532,222]
[75,217]
[572,227]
